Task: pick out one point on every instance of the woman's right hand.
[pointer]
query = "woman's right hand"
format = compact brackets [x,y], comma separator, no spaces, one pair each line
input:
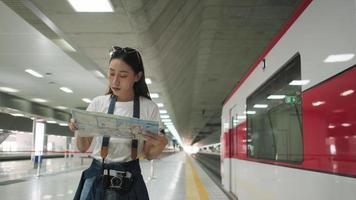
[73,125]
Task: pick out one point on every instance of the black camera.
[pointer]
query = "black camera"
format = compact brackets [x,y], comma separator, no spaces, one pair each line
[116,181]
[120,181]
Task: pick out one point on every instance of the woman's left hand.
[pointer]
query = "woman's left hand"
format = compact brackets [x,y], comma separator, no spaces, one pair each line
[154,145]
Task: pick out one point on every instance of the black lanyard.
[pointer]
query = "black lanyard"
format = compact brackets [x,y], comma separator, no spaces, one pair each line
[106,139]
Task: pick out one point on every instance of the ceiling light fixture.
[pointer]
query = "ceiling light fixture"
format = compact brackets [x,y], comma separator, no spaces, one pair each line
[86,100]
[164,116]
[39,100]
[162,111]
[34,73]
[91,5]
[17,114]
[276,96]
[175,133]
[250,112]
[61,107]
[339,58]
[7,89]
[148,81]
[66,90]
[154,95]
[260,106]
[299,82]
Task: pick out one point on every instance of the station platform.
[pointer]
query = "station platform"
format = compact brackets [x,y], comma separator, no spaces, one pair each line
[174,177]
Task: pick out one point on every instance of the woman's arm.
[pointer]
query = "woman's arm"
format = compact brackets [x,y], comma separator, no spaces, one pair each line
[154,145]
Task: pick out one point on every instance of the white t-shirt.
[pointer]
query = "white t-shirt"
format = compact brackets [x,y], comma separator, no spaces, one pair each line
[120,148]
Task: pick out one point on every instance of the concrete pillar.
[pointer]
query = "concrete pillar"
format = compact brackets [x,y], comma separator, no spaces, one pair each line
[68,147]
[45,143]
[38,141]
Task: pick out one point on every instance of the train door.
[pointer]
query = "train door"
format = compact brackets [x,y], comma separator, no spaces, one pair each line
[232,148]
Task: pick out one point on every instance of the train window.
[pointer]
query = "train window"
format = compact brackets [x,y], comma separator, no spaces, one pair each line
[274,116]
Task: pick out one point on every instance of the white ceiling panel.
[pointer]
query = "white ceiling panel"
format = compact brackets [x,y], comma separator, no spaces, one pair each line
[194,51]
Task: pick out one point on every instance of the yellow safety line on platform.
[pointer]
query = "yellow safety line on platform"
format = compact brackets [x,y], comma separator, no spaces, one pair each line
[195,188]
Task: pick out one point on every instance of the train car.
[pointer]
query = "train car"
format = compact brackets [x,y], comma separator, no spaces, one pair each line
[289,126]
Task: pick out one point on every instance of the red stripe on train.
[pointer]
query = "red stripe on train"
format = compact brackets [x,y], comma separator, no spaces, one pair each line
[329,129]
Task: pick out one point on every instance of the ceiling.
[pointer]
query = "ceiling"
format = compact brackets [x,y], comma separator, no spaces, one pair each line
[194,51]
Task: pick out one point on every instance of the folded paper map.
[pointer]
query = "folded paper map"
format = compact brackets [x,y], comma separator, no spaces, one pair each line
[102,124]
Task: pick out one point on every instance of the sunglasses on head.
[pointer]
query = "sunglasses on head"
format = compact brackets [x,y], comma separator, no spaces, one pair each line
[126,50]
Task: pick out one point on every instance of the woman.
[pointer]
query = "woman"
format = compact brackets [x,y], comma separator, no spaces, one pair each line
[115,172]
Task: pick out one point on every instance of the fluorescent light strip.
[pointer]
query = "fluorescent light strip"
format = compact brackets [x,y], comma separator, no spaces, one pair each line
[39,100]
[162,111]
[276,96]
[154,95]
[61,107]
[34,73]
[250,112]
[339,58]
[299,82]
[86,100]
[160,105]
[260,106]
[166,120]
[66,90]
[7,89]
[175,134]
[148,81]
[164,116]
[51,122]
[91,5]
[63,124]
[17,114]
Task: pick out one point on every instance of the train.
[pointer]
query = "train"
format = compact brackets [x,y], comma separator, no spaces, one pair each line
[288,128]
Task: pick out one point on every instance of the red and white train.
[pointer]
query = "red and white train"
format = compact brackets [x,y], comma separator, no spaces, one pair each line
[289,126]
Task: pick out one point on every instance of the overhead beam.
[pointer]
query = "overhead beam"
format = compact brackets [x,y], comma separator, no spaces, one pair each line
[35,109]
[12,123]
[9,122]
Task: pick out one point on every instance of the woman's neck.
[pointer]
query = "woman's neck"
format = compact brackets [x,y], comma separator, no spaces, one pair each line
[126,96]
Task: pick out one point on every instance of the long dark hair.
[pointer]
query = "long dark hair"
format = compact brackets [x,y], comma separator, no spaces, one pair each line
[133,58]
